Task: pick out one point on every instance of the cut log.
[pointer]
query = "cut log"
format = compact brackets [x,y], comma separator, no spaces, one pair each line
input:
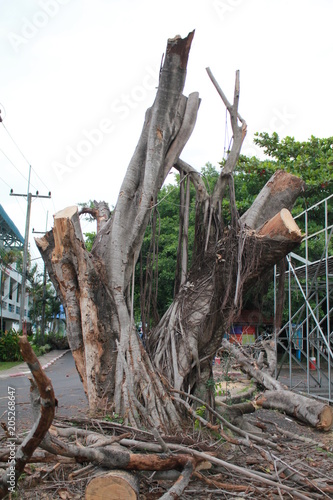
[310,411]
[238,410]
[114,485]
[281,190]
[281,226]
[277,396]
[268,363]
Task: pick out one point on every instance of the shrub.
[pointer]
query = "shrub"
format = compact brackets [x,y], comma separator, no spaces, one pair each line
[57,341]
[9,346]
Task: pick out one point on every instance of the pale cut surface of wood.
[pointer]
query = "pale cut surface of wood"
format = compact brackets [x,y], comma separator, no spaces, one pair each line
[116,485]
[282,225]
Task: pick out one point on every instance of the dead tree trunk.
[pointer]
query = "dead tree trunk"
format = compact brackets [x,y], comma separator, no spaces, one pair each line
[277,397]
[97,288]
[310,411]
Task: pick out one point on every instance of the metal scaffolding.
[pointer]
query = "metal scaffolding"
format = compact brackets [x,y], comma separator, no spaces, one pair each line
[305,341]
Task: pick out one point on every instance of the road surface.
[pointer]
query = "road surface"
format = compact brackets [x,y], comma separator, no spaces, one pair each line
[67,387]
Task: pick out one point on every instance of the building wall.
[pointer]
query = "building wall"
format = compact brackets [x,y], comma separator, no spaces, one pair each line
[11,298]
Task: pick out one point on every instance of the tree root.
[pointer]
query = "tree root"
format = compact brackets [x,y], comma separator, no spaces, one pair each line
[155,452]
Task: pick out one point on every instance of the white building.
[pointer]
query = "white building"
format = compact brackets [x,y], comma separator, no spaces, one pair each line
[11,297]
[10,278]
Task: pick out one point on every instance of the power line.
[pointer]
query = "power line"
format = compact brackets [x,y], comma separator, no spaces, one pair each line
[4,126]
[1,179]
[41,180]
[19,171]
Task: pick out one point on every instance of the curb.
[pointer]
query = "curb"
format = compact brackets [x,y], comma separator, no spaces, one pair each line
[21,374]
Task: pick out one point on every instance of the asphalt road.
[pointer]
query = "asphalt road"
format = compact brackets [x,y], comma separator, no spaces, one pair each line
[67,387]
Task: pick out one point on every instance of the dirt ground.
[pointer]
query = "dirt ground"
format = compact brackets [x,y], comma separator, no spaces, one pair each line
[302,457]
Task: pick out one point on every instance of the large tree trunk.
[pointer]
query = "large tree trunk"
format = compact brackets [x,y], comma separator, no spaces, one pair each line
[185,341]
[97,288]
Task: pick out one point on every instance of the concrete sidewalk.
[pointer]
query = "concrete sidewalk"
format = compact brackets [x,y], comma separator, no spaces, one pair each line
[22,369]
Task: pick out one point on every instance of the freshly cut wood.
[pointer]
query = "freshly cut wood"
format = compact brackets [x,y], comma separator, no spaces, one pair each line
[319,415]
[281,226]
[114,485]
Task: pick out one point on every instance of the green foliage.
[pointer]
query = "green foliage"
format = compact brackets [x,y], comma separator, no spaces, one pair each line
[89,240]
[167,241]
[114,417]
[311,160]
[37,296]
[9,346]
[57,341]
[39,350]
[8,257]
[200,411]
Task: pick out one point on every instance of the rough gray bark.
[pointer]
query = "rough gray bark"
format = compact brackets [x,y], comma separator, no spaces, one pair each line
[277,397]
[97,288]
[312,412]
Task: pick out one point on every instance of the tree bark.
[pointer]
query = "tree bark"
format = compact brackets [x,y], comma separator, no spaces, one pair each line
[312,412]
[184,343]
[278,193]
[97,288]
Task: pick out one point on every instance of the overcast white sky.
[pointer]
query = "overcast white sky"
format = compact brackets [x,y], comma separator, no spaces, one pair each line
[70,67]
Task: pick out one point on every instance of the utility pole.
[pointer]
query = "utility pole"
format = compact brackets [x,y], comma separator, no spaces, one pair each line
[42,327]
[26,243]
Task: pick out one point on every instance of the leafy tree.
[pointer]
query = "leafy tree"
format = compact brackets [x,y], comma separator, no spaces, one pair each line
[89,239]
[311,160]
[38,296]
[251,174]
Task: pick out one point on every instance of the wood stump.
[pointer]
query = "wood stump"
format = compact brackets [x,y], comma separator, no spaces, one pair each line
[114,485]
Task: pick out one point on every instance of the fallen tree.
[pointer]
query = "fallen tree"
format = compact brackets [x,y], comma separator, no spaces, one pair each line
[314,413]
[97,287]
[98,446]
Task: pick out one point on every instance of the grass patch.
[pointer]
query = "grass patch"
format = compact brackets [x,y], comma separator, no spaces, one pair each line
[5,365]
